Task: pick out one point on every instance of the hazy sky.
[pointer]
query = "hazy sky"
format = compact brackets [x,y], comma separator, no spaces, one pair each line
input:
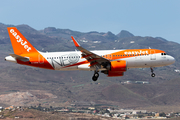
[140,17]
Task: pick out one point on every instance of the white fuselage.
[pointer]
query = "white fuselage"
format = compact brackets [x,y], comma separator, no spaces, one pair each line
[65,60]
[111,62]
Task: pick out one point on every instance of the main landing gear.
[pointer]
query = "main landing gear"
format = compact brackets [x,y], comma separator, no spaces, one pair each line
[153,74]
[95,76]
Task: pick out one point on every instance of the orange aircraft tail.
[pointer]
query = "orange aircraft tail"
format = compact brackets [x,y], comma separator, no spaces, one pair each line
[19,43]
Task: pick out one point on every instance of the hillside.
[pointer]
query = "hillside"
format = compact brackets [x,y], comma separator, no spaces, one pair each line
[30,114]
[61,88]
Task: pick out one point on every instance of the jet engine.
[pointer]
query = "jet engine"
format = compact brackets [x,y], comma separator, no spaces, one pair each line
[116,68]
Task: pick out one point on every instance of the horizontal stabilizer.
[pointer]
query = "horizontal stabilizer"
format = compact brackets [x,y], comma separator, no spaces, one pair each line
[24,59]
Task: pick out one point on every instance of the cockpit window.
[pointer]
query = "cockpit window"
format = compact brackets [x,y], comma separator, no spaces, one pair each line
[163,54]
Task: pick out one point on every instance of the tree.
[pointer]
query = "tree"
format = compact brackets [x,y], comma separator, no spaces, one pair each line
[140,115]
[162,114]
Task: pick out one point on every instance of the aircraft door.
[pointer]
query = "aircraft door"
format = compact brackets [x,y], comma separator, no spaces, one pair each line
[152,55]
[40,59]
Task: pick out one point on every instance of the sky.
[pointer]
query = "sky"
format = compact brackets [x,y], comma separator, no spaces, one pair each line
[156,18]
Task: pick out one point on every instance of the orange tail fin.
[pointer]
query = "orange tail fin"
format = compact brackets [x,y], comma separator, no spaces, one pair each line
[19,43]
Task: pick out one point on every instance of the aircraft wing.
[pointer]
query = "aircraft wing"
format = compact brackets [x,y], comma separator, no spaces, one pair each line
[25,59]
[90,56]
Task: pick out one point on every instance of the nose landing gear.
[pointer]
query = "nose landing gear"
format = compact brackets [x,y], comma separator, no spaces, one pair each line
[153,74]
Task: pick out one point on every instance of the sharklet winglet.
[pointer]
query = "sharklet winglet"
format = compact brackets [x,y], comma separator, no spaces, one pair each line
[75,42]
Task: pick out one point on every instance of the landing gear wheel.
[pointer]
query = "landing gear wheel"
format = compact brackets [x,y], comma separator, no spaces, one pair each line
[96,74]
[95,77]
[153,75]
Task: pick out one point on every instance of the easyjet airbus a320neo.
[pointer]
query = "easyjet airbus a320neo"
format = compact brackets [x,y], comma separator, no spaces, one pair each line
[113,63]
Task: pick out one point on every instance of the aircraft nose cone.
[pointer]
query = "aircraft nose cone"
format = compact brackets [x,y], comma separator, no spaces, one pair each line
[171,59]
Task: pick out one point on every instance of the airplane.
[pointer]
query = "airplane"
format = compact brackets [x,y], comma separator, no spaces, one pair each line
[113,63]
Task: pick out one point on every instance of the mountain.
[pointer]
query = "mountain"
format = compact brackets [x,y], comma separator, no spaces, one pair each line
[61,88]
[124,34]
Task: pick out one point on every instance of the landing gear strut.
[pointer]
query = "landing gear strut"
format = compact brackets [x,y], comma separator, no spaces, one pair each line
[95,76]
[153,74]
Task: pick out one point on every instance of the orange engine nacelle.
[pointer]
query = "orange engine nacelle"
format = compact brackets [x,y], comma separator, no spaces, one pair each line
[117,68]
[119,65]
